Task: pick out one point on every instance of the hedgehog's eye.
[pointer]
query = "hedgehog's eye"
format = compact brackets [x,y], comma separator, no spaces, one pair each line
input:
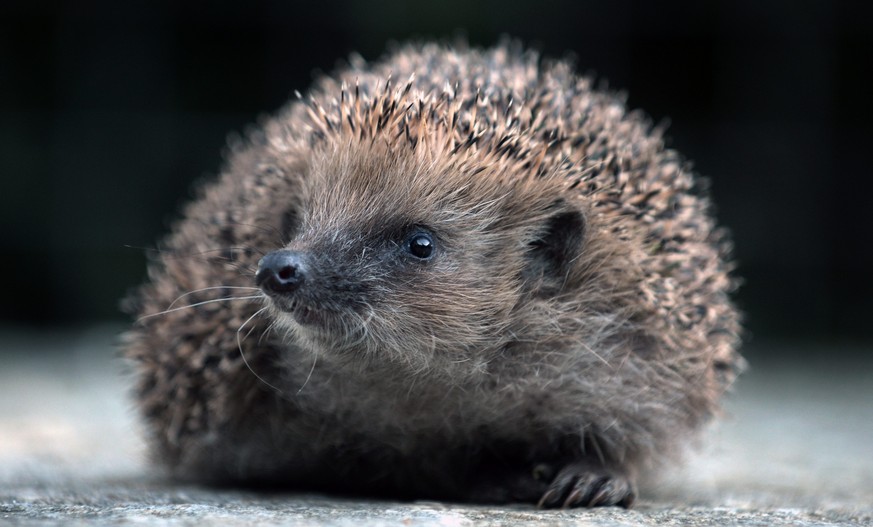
[420,245]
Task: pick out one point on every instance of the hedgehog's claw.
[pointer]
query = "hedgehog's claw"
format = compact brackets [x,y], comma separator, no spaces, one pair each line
[583,484]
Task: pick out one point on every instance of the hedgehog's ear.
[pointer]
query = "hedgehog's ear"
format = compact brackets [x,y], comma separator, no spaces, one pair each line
[556,246]
[290,223]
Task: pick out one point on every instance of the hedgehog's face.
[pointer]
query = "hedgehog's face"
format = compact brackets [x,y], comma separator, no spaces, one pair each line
[395,259]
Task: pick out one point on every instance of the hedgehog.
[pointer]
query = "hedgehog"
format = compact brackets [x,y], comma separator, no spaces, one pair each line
[456,274]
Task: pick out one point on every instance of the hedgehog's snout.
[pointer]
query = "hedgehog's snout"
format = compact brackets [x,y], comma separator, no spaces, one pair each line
[281,272]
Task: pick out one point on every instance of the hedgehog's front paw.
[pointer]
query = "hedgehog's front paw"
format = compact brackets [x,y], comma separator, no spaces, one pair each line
[589,484]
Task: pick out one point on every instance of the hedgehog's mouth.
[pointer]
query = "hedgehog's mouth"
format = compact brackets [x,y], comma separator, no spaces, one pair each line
[306,316]
[302,314]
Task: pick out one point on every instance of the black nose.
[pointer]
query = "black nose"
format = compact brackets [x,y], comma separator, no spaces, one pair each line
[280,272]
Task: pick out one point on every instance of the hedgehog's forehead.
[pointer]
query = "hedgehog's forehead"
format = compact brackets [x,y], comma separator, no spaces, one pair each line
[364,185]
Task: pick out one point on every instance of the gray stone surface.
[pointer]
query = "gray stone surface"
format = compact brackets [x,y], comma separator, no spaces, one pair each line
[796,449]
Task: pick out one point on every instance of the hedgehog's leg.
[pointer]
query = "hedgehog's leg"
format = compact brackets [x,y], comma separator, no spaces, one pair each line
[589,483]
[577,481]
[523,483]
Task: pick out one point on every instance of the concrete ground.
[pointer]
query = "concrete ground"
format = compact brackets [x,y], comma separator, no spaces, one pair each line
[797,449]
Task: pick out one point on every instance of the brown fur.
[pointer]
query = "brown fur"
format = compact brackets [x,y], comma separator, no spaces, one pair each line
[573,327]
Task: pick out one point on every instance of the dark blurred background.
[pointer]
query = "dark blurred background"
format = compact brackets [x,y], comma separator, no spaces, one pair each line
[109,111]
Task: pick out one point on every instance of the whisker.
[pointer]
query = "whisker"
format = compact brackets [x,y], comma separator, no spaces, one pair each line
[166,311]
[243,268]
[312,369]
[180,297]
[266,229]
[239,342]
[173,253]
[267,330]
[248,334]
[203,256]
